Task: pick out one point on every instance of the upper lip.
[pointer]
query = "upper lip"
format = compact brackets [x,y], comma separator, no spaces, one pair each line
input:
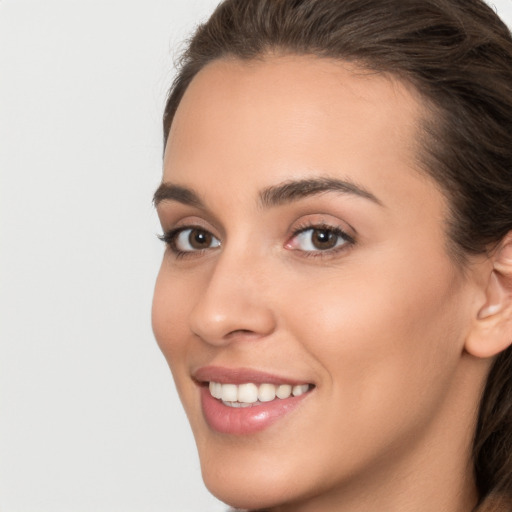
[241,376]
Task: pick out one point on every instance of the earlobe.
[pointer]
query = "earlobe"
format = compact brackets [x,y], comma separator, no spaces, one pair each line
[492,332]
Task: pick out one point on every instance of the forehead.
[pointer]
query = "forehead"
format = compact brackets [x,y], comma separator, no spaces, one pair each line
[283,116]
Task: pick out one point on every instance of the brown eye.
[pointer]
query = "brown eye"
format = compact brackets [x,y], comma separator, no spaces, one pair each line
[192,240]
[323,239]
[199,239]
[319,239]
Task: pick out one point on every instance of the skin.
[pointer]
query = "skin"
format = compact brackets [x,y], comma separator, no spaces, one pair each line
[379,326]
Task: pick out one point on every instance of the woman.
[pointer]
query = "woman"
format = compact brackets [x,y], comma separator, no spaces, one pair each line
[335,300]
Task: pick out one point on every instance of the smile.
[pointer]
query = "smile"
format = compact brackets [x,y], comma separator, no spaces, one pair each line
[243,401]
[250,394]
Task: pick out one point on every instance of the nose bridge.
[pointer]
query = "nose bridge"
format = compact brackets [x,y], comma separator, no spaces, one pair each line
[233,300]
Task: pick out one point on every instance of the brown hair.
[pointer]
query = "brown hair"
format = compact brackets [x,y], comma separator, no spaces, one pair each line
[458,55]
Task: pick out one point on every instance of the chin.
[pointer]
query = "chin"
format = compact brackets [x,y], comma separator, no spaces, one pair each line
[249,484]
[253,481]
[247,495]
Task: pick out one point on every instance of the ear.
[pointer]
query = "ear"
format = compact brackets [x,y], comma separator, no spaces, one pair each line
[492,330]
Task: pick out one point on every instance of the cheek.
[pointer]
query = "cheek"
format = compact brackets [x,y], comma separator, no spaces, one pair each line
[389,342]
[169,313]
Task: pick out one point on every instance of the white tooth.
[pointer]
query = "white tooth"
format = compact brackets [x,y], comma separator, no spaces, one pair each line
[300,389]
[248,393]
[284,391]
[236,405]
[217,390]
[229,392]
[266,392]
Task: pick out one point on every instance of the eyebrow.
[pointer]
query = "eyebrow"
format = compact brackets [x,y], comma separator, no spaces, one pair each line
[294,190]
[275,195]
[170,192]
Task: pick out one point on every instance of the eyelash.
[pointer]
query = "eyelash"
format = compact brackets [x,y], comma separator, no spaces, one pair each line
[169,238]
[349,241]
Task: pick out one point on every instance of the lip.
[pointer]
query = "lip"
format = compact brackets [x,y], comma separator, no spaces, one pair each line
[241,376]
[243,420]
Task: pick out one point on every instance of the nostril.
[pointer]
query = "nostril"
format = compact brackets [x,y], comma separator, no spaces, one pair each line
[230,310]
[245,333]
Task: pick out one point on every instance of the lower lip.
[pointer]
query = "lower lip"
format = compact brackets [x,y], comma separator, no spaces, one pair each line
[245,420]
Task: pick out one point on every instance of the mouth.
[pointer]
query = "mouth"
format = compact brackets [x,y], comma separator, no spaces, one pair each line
[250,394]
[242,401]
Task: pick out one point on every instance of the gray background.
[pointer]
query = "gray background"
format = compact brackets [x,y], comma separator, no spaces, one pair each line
[89,419]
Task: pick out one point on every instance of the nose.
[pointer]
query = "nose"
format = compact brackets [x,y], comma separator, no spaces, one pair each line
[233,304]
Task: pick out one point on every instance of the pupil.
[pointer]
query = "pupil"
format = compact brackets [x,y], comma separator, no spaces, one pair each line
[324,239]
[199,239]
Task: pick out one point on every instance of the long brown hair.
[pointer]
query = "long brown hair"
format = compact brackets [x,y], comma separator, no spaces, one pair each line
[458,55]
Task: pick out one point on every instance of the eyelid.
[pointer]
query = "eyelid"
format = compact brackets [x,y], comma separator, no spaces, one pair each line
[182,219]
[322,220]
[170,236]
[322,227]
[311,225]
[325,226]
[176,223]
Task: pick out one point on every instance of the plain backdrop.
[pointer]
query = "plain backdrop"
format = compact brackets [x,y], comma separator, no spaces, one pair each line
[89,419]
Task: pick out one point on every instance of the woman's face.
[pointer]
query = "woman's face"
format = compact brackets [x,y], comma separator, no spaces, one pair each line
[306,253]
